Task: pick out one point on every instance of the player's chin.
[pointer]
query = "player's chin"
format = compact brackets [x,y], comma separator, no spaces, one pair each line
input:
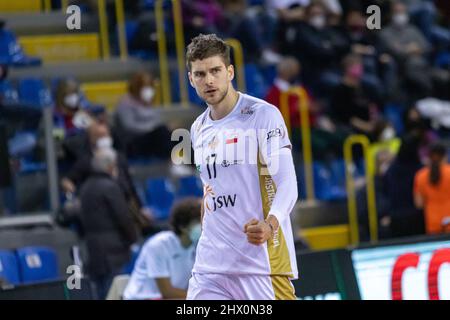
[210,100]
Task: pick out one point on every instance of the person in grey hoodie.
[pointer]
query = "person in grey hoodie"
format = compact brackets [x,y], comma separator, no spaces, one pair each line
[139,123]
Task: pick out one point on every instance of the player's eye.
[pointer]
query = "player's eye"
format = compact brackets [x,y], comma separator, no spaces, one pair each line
[199,74]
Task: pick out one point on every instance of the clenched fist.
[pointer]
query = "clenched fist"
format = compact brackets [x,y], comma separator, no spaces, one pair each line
[258,232]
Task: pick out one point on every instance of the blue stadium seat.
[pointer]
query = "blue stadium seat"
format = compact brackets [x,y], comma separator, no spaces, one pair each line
[11,52]
[37,264]
[160,196]
[9,267]
[22,143]
[34,93]
[337,168]
[394,113]
[189,186]
[8,94]
[254,81]
[131,27]
[324,187]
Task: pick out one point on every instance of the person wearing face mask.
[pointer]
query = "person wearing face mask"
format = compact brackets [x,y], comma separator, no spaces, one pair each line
[99,138]
[324,135]
[351,104]
[408,46]
[164,265]
[69,114]
[138,121]
[108,228]
[315,44]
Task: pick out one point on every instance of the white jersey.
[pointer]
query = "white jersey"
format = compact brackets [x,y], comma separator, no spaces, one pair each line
[162,256]
[227,155]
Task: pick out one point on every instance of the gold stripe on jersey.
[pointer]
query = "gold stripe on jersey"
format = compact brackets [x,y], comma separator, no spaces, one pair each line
[280,263]
[282,288]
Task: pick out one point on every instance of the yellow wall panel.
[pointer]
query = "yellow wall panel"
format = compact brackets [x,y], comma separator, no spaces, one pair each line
[20,5]
[105,93]
[61,48]
[329,237]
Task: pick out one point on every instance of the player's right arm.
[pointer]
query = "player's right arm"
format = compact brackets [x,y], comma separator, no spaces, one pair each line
[168,291]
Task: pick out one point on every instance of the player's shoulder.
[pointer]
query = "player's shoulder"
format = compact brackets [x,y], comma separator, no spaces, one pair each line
[260,108]
[163,239]
[199,121]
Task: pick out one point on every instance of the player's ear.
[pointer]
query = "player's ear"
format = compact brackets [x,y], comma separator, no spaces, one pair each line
[230,71]
[190,79]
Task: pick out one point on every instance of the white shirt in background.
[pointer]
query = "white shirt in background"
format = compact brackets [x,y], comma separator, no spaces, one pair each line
[162,256]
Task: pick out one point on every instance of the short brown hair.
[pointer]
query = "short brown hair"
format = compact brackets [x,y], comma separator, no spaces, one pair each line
[184,212]
[205,46]
[139,79]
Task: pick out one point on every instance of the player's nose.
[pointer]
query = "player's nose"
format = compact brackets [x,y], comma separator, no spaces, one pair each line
[209,79]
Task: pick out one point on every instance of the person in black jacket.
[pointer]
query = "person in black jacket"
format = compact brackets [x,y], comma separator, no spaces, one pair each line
[99,136]
[107,224]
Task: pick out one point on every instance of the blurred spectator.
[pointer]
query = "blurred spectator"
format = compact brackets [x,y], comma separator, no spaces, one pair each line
[108,227]
[164,265]
[363,43]
[69,114]
[424,14]
[70,118]
[317,46]
[404,219]
[201,16]
[351,104]
[98,138]
[244,25]
[138,121]
[288,10]
[419,126]
[409,47]
[432,189]
[326,137]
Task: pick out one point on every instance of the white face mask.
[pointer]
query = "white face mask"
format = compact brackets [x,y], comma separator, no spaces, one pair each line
[400,19]
[147,94]
[388,134]
[318,22]
[104,142]
[71,100]
[195,232]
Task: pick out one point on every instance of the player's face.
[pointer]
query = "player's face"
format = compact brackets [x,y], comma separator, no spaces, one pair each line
[211,79]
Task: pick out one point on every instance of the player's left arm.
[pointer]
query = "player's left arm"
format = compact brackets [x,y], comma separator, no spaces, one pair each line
[276,153]
[283,174]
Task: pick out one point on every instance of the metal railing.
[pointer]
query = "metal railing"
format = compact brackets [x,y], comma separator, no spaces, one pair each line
[104,34]
[103,27]
[47,5]
[238,54]
[303,107]
[64,5]
[162,52]
[120,15]
[351,194]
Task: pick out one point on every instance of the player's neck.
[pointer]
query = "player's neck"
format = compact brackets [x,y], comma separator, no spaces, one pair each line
[222,109]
